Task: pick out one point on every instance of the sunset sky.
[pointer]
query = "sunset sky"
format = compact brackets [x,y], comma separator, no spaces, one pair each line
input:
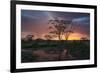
[36,23]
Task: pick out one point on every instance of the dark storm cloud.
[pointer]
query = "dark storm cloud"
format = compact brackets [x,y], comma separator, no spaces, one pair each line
[70,15]
[82,25]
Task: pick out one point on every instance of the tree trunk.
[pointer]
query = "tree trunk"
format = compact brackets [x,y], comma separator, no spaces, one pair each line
[59,37]
[67,35]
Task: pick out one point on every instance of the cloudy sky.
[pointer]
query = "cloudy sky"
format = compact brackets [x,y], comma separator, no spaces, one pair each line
[36,23]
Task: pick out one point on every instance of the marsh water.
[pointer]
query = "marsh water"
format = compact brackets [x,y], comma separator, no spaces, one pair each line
[59,52]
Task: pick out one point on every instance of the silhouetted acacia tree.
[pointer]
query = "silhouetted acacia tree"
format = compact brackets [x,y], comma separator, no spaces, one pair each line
[59,28]
[48,37]
[84,38]
[30,37]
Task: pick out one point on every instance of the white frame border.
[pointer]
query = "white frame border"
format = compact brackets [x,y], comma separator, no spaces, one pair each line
[20,65]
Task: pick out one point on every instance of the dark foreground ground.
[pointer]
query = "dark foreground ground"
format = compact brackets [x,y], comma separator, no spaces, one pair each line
[43,50]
